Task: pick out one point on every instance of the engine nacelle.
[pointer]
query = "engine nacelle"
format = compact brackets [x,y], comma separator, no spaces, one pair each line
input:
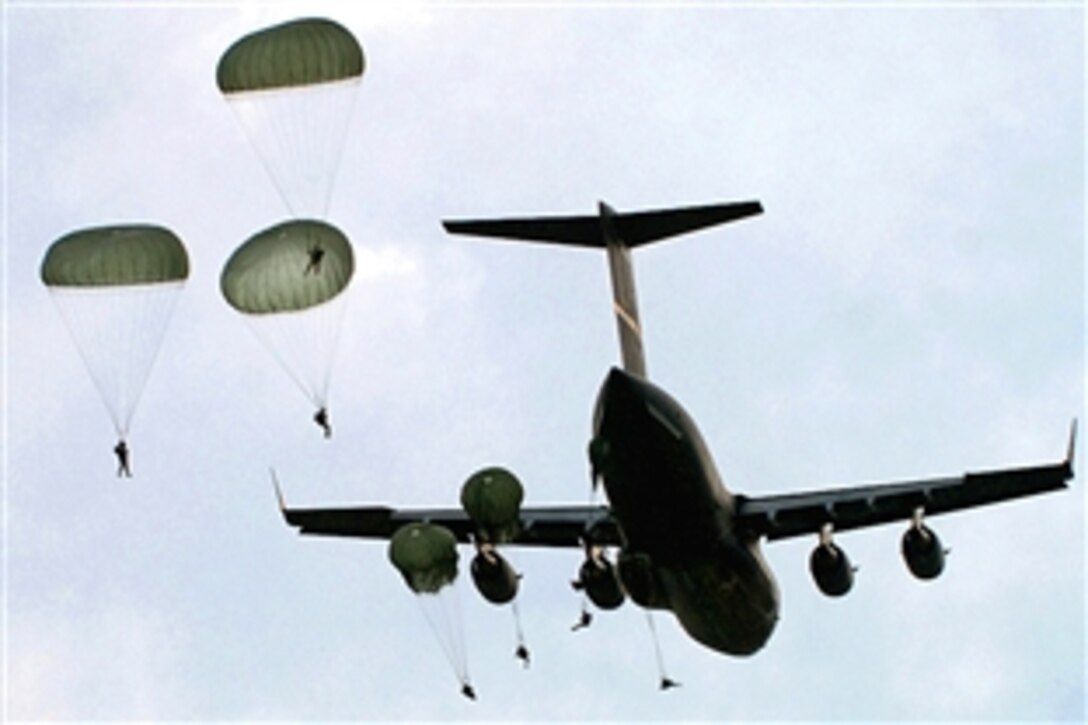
[495,579]
[639,578]
[597,578]
[831,569]
[923,552]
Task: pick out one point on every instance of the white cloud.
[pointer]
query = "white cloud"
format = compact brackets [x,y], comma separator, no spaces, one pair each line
[113,660]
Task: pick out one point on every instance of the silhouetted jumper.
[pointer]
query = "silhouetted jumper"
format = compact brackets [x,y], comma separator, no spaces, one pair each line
[321,417]
[316,254]
[121,450]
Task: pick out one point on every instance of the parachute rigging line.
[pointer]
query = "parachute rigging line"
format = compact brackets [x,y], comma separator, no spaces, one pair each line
[118,333]
[666,681]
[304,344]
[442,611]
[522,652]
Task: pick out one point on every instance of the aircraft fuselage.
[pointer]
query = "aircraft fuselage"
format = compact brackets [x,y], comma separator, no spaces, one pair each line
[680,551]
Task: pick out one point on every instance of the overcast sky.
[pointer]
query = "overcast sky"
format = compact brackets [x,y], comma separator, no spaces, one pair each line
[910,304]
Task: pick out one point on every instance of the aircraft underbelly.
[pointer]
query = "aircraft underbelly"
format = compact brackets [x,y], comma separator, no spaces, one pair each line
[676,520]
[729,604]
[720,588]
[669,527]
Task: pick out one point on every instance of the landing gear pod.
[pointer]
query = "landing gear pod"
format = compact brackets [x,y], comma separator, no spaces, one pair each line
[495,579]
[922,550]
[492,499]
[830,567]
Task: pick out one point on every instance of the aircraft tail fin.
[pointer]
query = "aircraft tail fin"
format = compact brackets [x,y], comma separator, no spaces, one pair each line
[617,233]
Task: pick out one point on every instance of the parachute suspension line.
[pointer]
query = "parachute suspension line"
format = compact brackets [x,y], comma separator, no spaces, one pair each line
[156,309]
[118,333]
[442,611]
[269,339]
[522,652]
[666,681]
[334,324]
[304,344]
[298,134]
[335,140]
[72,320]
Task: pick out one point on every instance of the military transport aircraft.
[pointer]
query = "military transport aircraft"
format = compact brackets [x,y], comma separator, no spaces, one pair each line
[685,542]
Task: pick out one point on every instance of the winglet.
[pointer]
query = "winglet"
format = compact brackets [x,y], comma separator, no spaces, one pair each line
[1070,452]
[279,493]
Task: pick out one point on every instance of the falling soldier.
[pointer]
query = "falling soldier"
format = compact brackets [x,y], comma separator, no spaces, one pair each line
[316,253]
[583,621]
[321,417]
[121,450]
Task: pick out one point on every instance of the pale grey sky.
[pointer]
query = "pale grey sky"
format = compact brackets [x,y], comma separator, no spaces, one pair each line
[910,304]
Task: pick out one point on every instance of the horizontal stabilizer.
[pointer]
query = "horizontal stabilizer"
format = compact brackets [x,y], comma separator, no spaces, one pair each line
[580,231]
[634,229]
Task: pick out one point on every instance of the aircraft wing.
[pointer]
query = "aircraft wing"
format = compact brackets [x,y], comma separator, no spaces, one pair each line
[780,517]
[562,526]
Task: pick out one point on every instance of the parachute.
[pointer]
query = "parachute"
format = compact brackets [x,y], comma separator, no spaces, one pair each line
[116,287]
[292,87]
[426,556]
[492,499]
[288,281]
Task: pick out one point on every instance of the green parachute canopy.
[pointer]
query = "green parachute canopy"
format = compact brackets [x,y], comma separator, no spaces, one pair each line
[426,556]
[301,52]
[115,287]
[274,271]
[492,499]
[292,88]
[131,254]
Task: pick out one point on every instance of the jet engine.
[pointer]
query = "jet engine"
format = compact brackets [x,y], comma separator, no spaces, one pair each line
[597,577]
[495,579]
[922,550]
[831,569]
